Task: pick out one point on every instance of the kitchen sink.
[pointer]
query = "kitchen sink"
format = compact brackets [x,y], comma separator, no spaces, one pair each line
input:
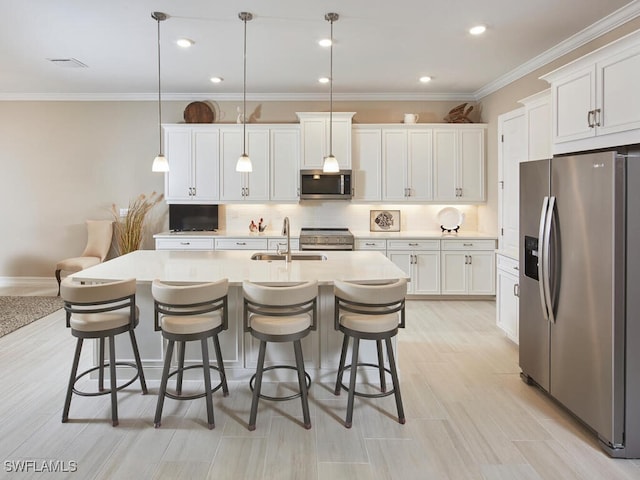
[294,256]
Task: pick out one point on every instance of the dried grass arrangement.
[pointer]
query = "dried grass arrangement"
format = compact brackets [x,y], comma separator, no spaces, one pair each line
[129,229]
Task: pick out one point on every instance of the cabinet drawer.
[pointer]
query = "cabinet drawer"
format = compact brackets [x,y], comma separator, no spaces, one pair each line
[241,243]
[508,264]
[413,244]
[274,243]
[370,244]
[184,243]
[468,244]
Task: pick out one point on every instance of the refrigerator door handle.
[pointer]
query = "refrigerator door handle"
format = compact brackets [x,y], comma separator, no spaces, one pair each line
[541,256]
[546,259]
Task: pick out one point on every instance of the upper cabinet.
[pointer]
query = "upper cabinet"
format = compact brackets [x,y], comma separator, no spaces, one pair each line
[284,163]
[314,132]
[594,98]
[407,164]
[192,152]
[537,118]
[459,163]
[366,163]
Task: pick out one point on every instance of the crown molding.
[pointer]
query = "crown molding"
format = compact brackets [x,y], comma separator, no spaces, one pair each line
[599,28]
[232,97]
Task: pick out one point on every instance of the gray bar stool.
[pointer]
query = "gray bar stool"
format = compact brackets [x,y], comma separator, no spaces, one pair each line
[189,312]
[280,314]
[101,311]
[369,312]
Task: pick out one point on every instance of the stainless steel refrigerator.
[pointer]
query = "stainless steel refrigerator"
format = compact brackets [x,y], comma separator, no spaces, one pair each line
[580,289]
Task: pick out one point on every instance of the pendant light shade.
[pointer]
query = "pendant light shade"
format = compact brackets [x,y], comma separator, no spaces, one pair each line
[160,163]
[244,162]
[330,163]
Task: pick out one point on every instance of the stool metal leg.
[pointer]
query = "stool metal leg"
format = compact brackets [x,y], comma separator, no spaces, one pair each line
[136,354]
[352,382]
[181,349]
[394,379]
[257,386]
[297,348]
[112,375]
[383,385]
[343,357]
[223,374]
[101,360]
[207,381]
[72,381]
[163,383]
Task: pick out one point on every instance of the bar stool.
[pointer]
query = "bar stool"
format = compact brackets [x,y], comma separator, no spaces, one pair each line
[280,314]
[189,312]
[101,311]
[369,312]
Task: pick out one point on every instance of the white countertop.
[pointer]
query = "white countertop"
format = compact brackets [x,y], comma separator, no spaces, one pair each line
[430,234]
[204,266]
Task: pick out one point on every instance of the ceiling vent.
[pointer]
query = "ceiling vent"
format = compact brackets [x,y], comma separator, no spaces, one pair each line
[67,62]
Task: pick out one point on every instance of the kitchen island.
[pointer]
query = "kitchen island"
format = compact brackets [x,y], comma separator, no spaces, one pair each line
[239,350]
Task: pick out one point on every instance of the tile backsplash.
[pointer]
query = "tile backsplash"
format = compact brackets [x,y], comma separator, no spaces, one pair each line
[236,217]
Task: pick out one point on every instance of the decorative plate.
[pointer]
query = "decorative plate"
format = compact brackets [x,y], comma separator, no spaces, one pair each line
[198,112]
[450,219]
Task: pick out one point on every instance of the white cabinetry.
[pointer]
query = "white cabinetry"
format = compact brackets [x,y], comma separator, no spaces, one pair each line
[507,292]
[594,98]
[284,163]
[184,242]
[420,259]
[314,132]
[468,267]
[537,112]
[366,163]
[512,149]
[193,158]
[241,243]
[407,164]
[459,163]
[371,244]
[252,186]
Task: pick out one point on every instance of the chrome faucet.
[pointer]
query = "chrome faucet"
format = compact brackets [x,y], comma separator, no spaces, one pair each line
[286,230]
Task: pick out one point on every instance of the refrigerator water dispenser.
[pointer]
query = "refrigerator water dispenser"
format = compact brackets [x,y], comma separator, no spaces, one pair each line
[531,257]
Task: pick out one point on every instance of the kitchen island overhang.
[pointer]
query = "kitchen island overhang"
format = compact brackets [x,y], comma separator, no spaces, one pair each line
[239,350]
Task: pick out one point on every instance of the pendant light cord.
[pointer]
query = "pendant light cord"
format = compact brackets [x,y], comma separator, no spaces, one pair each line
[244,90]
[331,93]
[159,96]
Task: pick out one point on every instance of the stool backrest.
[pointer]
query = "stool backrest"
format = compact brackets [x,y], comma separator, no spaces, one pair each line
[370,299]
[280,300]
[98,297]
[185,299]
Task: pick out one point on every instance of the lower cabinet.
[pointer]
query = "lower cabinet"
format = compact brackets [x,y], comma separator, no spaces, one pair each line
[241,243]
[507,292]
[420,259]
[468,267]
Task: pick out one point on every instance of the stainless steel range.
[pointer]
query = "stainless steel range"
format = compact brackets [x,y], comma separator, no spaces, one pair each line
[326,239]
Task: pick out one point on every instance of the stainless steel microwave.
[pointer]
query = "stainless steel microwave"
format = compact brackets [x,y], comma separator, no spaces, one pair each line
[318,185]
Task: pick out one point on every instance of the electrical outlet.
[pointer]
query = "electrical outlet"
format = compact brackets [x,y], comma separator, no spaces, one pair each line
[123,212]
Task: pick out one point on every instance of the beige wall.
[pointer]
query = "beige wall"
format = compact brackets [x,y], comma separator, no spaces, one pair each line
[64,162]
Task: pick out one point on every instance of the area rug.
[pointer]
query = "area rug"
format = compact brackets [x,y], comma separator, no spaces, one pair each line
[16,312]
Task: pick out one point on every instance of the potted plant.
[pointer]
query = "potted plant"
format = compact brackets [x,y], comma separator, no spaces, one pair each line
[128,230]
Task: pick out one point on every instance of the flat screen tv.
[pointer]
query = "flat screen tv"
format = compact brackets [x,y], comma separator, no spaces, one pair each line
[193,217]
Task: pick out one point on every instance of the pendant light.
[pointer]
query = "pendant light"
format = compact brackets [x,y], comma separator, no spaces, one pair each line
[244,162]
[330,164]
[160,163]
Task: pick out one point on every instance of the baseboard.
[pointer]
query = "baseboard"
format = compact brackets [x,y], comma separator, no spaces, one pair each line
[32,282]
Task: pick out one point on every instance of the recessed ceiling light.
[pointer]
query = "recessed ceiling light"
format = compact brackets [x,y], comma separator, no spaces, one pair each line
[323,79]
[185,42]
[325,42]
[216,79]
[477,30]
[425,79]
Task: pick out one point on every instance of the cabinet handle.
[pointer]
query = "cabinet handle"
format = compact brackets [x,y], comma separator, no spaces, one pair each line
[185,243]
[590,115]
[413,244]
[516,290]
[470,259]
[247,189]
[241,243]
[414,259]
[370,244]
[468,244]
[596,116]
[516,268]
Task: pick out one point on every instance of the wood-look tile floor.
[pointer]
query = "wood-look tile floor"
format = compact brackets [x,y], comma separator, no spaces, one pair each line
[469,416]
